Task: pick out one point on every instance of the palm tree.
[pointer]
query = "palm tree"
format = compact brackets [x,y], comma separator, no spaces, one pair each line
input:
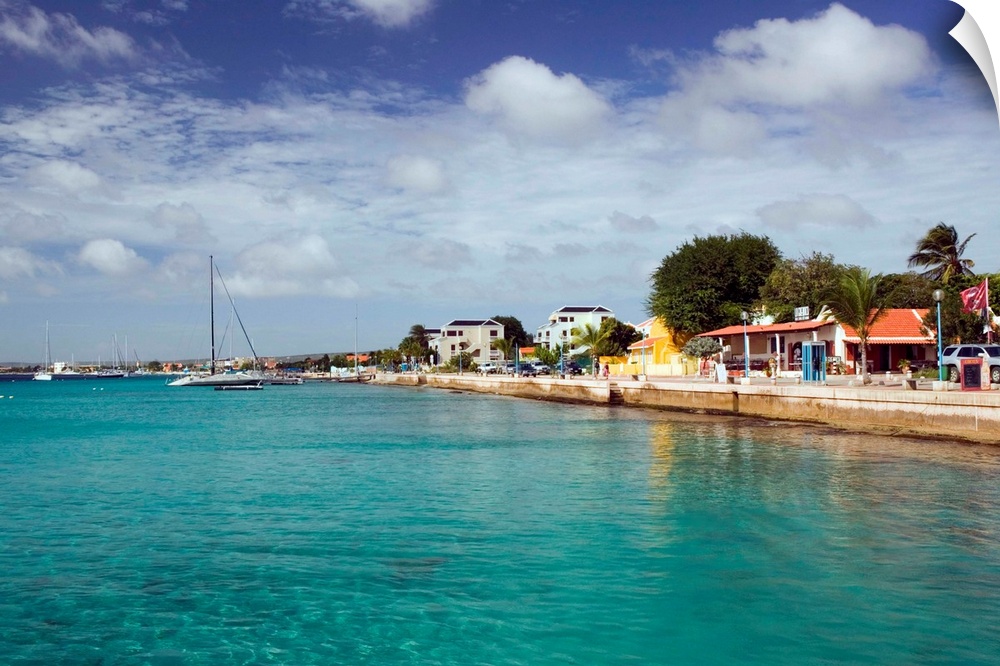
[592,337]
[857,302]
[505,347]
[419,333]
[941,254]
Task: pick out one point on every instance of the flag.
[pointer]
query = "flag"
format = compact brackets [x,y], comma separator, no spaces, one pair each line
[975,298]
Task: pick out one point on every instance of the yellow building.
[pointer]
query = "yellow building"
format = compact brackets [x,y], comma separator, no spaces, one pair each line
[658,353]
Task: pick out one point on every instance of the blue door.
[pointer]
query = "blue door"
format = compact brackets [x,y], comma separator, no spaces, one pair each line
[814,361]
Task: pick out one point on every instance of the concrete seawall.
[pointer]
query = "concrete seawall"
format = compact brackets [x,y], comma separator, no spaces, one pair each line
[973,416]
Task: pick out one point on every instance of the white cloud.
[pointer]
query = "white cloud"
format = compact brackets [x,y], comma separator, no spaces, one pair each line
[622,222]
[61,38]
[440,254]
[187,224]
[110,257]
[387,13]
[822,211]
[66,176]
[419,174]
[16,262]
[820,68]
[529,100]
[290,266]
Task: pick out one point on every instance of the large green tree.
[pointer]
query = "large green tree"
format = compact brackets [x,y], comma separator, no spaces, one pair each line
[618,336]
[910,289]
[513,330]
[799,283]
[940,253]
[707,282]
[859,300]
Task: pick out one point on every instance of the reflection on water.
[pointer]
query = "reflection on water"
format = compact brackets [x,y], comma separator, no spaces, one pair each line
[661,443]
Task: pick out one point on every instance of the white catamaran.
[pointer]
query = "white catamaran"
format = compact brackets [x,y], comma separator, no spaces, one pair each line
[212,378]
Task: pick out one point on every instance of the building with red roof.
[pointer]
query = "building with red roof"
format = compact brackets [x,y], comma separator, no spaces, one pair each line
[899,334]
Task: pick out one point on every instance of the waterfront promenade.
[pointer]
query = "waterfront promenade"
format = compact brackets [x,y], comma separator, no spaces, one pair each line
[887,406]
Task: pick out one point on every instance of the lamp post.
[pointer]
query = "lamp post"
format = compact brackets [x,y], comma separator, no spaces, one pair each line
[644,355]
[746,344]
[938,297]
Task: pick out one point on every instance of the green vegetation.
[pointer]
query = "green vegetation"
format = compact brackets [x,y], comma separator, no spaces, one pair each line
[467,364]
[940,252]
[799,282]
[701,347]
[513,330]
[591,337]
[859,300]
[505,347]
[707,282]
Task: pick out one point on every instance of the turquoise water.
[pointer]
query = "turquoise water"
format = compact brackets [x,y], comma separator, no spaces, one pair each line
[345,524]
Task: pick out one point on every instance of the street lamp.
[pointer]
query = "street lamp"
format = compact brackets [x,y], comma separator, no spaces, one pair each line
[938,297]
[746,344]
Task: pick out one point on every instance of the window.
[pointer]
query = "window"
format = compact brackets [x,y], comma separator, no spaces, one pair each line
[451,334]
[453,347]
[562,319]
[493,334]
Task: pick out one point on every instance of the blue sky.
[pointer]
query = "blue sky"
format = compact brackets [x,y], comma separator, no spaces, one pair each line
[424,160]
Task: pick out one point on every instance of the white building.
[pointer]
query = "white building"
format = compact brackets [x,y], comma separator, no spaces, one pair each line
[562,322]
[474,336]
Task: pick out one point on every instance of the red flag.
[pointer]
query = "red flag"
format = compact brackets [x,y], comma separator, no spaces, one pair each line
[975,298]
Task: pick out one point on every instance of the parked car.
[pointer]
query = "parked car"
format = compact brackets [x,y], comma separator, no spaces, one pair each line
[573,368]
[489,368]
[529,370]
[953,355]
[542,369]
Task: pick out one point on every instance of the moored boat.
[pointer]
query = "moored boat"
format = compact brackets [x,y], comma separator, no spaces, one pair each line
[224,379]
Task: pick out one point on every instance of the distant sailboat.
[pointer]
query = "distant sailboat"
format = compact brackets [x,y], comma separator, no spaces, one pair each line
[240,378]
[44,375]
[356,377]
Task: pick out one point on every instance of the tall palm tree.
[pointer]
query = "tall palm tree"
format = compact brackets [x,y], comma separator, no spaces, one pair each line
[859,300]
[941,254]
[591,337]
[419,333]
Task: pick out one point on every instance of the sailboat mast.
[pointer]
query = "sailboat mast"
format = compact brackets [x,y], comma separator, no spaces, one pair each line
[211,282]
[356,374]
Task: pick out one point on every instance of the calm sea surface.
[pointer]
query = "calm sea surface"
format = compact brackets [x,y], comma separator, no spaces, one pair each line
[345,524]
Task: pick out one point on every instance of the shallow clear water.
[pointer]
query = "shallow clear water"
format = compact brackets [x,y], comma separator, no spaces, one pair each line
[345,524]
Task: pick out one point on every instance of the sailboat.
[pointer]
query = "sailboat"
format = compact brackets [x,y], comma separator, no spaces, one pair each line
[240,378]
[44,375]
[356,377]
[55,370]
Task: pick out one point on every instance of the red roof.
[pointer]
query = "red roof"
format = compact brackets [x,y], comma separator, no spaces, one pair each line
[647,342]
[787,327]
[903,326]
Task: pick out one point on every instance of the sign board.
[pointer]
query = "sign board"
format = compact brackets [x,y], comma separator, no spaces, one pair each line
[802,313]
[971,375]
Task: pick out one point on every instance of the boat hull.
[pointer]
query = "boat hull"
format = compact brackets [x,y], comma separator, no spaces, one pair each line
[225,379]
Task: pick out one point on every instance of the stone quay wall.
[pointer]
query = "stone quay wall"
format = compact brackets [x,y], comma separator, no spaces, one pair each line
[973,416]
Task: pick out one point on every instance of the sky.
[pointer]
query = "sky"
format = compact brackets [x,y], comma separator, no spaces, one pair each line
[367,165]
